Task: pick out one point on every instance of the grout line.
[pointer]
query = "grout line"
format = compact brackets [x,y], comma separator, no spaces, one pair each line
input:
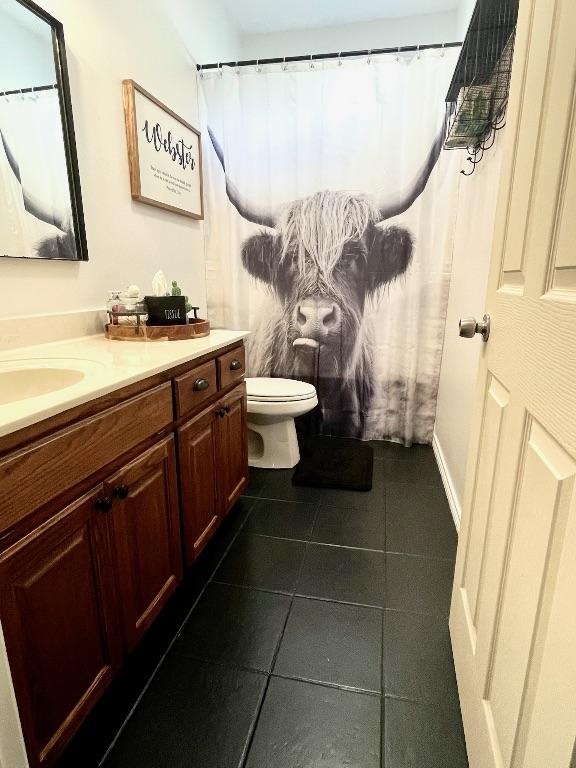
[221,662]
[412,700]
[284,501]
[286,593]
[368,606]
[274,657]
[252,730]
[328,684]
[169,648]
[310,541]
[306,597]
[433,558]
[339,602]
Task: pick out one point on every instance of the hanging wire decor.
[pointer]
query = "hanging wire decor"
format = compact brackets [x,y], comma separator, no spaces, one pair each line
[478,93]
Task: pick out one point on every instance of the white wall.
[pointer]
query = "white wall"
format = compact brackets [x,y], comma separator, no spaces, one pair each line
[465,9]
[381,33]
[460,358]
[108,41]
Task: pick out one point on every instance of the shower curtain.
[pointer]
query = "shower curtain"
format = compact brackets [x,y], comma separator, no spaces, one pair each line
[329,230]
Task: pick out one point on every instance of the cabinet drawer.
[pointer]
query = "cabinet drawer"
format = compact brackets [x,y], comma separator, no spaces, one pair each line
[38,473]
[231,367]
[194,387]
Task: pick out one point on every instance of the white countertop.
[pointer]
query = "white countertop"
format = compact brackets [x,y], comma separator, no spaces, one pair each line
[107,365]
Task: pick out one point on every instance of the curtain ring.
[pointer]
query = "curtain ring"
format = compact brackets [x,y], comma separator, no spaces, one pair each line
[284,64]
[340,58]
[237,69]
[398,53]
[311,62]
[201,72]
[369,59]
[220,69]
[258,68]
[418,52]
[443,50]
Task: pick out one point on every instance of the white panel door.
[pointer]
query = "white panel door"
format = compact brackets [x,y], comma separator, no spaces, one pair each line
[513,615]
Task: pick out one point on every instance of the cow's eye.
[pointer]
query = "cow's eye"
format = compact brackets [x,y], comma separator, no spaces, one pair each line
[348,258]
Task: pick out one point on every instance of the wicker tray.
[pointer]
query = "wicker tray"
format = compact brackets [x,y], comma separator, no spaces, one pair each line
[195,329]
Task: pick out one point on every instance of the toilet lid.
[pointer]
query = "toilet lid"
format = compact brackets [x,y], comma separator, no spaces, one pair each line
[265,388]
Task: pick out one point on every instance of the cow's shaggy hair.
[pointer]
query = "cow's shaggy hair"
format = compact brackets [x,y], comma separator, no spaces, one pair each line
[319,226]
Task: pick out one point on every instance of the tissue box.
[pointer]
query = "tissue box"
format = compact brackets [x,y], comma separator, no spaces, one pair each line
[166,310]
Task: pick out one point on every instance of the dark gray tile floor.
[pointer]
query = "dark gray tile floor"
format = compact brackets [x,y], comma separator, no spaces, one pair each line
[319,637]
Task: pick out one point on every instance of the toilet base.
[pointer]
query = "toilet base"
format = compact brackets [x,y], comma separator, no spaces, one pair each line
[272,445]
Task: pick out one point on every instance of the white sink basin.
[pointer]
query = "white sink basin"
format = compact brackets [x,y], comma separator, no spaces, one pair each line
[23,379]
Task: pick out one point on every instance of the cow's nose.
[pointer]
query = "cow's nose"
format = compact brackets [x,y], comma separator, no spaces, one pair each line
[317,317]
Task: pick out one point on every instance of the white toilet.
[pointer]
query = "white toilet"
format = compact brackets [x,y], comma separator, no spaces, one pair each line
[273,405]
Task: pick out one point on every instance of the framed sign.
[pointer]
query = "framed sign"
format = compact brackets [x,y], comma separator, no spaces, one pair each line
[164,154]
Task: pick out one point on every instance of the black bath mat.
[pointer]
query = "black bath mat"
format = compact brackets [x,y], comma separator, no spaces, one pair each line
[335,462]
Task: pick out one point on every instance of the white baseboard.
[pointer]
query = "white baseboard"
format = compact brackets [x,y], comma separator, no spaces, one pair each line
[453,501]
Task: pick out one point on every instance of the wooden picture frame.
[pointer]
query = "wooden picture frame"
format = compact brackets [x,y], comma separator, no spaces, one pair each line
[164,154]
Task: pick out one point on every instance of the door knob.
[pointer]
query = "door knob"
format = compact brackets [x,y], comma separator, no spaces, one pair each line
[469,326]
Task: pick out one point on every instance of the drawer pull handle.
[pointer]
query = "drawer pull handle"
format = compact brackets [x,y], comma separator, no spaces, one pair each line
[200,384]
[120,491]
[104,504]
[227,408]
[235,365]
[221,413]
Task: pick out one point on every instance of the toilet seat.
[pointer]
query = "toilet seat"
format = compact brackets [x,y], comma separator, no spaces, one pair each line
[272,406]
[260,389]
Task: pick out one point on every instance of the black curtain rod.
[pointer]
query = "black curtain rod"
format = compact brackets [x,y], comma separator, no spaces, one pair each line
[34,89]
[324,56]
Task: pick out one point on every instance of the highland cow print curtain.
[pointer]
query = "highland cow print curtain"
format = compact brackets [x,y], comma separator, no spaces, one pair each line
[329,230]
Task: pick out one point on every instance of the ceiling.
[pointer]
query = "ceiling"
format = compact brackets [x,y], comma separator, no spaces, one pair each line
[261,16]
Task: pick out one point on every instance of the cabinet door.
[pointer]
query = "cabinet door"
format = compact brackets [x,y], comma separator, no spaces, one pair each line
[197,455]
[146,537]
[231,448]
[58,620]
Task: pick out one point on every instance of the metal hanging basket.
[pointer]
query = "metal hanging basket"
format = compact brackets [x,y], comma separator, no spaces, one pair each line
[478,93]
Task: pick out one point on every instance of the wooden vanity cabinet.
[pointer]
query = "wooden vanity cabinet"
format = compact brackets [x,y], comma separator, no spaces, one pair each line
[59,622]
[213,468]
[91,517]
[145,526]
[232,449]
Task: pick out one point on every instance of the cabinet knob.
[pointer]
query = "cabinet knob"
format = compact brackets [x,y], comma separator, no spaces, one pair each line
[104,504]
[235,365]
[200,384]
[120,491]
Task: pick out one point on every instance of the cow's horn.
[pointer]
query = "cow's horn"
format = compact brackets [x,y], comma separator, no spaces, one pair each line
[31,203]
[389,208]
[256,215]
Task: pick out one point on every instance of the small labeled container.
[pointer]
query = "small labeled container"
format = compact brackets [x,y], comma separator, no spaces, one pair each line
[166,310]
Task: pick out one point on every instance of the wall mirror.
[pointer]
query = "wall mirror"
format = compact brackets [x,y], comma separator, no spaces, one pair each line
[41,214]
